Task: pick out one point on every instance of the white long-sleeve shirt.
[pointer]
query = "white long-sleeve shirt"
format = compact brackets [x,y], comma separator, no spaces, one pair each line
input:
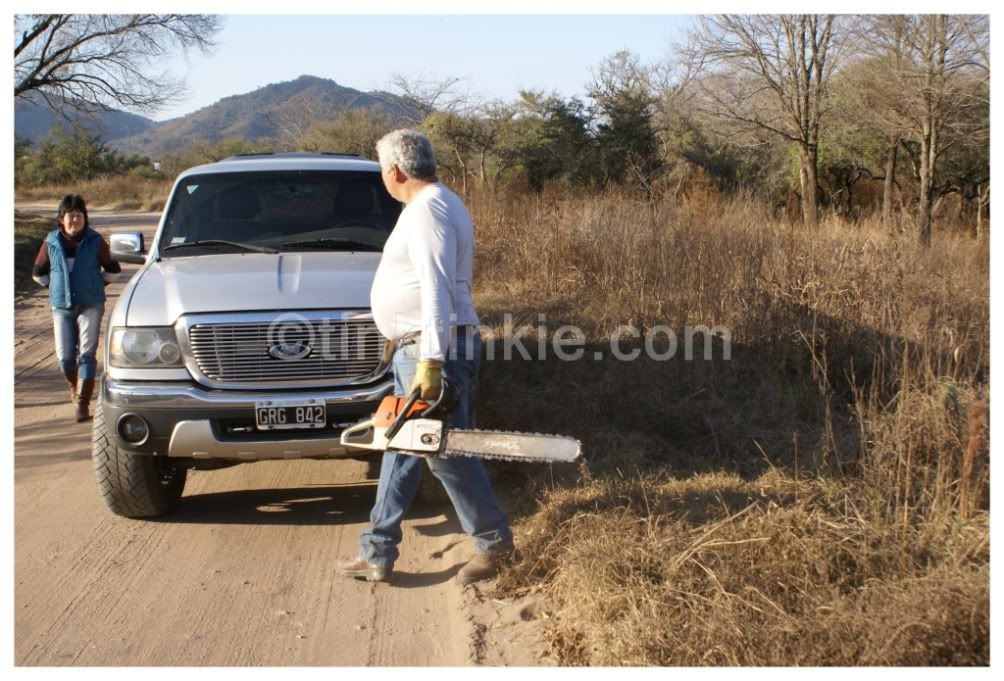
[423,282]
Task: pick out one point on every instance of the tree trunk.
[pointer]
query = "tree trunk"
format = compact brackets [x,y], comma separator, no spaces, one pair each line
[982,199]
[807,181]
[889,183]
[463,172]
[926,199]
[935,55]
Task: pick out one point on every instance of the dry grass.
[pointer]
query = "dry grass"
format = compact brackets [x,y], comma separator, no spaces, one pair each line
[29,233]
[715,570]
[820,498]
[117,192]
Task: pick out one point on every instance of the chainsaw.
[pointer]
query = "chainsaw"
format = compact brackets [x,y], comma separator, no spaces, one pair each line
[409,425]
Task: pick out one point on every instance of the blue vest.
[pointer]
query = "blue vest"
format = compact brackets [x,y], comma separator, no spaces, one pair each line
[84,285]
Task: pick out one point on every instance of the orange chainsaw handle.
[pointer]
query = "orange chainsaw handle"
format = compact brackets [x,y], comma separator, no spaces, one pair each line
[392,408]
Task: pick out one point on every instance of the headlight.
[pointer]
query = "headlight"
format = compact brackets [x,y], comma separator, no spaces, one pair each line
[144,347]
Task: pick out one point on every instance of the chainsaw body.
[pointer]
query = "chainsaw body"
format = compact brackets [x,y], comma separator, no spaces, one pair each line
[398,424]
[411,426]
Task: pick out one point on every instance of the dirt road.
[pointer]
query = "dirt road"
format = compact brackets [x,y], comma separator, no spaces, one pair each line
[242,574]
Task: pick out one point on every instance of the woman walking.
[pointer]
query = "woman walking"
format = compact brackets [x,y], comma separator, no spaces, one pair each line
[70,263]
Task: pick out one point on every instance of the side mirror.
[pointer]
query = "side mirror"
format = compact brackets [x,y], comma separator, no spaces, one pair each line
[128,247]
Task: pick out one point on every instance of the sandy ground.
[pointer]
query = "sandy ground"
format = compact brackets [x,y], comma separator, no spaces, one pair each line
[242,573]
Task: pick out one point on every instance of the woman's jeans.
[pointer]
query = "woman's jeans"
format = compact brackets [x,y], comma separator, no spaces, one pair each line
[76,330]
[464,479]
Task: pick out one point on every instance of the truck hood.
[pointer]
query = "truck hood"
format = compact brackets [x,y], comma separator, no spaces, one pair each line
[251,282]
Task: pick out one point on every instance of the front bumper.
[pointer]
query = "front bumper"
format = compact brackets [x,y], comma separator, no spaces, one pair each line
[188,421]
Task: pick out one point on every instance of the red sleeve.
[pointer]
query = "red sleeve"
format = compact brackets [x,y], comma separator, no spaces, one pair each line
[42,259]
[105,258]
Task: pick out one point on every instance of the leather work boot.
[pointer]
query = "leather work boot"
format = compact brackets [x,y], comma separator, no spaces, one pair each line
[483,566]
[361,569]
[71,380]
[84,399]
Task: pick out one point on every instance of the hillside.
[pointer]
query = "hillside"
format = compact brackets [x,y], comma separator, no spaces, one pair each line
[34,121]
[255,114]
[252,115]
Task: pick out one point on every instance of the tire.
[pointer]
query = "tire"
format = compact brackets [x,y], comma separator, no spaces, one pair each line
[430,490]
[132,485]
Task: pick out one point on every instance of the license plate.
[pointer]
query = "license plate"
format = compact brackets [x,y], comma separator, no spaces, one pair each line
[290,414]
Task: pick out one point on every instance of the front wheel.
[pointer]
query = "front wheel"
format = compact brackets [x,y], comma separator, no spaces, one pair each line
[132,485]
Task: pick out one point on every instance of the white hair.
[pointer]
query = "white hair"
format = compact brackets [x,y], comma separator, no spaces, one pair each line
[410,151]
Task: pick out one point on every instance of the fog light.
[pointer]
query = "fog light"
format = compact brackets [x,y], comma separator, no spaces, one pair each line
[133,429]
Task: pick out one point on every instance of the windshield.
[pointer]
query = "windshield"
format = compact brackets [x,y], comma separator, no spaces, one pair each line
[279,210]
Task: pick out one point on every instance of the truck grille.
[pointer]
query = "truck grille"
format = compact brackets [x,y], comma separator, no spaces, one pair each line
[340,351]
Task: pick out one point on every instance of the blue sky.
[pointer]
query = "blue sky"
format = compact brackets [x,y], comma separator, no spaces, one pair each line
[498,55]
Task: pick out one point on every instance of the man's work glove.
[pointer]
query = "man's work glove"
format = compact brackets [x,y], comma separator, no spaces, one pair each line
[428,377]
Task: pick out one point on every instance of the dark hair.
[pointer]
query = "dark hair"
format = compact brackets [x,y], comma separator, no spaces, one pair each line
[72,202]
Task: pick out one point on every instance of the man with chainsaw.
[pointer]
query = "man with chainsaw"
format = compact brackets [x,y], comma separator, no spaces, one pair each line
[421,299]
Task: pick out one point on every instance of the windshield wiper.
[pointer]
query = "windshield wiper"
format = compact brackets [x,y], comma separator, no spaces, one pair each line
[346,244]
[221,242]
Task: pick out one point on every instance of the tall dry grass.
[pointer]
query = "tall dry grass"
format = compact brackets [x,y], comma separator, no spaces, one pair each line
[118,192]
[819,498]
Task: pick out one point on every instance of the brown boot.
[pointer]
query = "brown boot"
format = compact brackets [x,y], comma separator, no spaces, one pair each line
[362,569]
[71,380]
[84,399]
[483,566]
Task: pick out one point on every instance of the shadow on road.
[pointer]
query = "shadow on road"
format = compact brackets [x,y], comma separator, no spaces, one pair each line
[52,443]
[418,580]
[443,528]
[327,505]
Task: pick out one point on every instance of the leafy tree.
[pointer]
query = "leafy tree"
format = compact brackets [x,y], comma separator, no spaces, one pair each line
[556,144]
[67,156]
[22,153]
[202,152]
[498,143]
[482,142]
[625,135]
[456,135]
[353,131]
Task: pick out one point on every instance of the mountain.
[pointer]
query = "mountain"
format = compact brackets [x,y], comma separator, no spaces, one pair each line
[34,121]
[256,114]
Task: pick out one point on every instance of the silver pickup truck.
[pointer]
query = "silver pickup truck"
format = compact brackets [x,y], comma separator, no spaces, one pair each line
[246,334]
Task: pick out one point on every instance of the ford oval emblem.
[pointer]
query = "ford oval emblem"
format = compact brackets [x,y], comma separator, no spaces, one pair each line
[289,350]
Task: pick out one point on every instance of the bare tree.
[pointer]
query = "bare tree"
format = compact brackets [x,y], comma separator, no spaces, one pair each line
[426,96]
[771,72]
[977,30]
[294,118]
[932,89]
[96,61]
[866,96]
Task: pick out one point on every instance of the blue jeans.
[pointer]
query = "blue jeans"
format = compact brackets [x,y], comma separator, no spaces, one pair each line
[77,329]
[465,479]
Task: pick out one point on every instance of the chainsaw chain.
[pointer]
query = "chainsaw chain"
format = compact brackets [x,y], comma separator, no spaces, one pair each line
[449,453]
